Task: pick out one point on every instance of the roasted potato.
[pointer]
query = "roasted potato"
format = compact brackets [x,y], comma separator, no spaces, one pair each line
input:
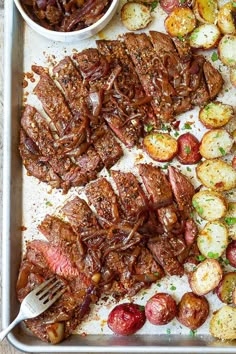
[230,219]
[223,323]
[205,36]
[232,76]
[216,114]
[135,16]
[180,22]
[206,11]
[231,253]
[216,174]
[169,5]
[226,287]
[56,332]
[188,149]
[161,147]
[227,50]
[193,310]
[225,18]
[212,240]
[210,205]
[234,296]
[160,309]
[216,143]
[206,277]
[126,319]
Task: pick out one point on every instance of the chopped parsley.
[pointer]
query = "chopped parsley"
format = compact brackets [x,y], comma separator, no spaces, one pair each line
[48,203]
[154,5]
[141,308]
[234,3]
[214,56]
[148,128]
[156,274]
[212,255]
[230,221]
[189,169]
[226,261]
[176,134]
[187,150]
[187,126]
[222,151]
[181,38]
[168,331]
[201,258]
[173,287]
[198,208]
[193,332]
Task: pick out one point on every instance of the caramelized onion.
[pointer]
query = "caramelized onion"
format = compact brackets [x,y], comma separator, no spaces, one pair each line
[112,77]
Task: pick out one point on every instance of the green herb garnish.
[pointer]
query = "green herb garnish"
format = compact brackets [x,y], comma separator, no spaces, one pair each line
[198,208]
[214,56]
[173,287]
[201,258]
[212,255]
[148,128]
[222,151]
[187,126]
[154,5]
[230,221]
[187,150]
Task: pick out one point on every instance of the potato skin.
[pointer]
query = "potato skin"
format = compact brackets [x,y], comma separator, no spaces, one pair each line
[160,309]
[193,310]
[188,149]
[231,253]
[126,319]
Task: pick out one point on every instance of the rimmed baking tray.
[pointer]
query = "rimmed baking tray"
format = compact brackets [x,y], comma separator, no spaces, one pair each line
[22,196]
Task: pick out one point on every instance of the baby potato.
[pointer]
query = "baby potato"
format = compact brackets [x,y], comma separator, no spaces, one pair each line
[227,50]
[230,219]
[217,175]
[180,22]
[223,323]
[161,147]
[193,310]
[216,114]
[226,287]
[206,36]
[206,10]
[225,21]
[216,143]
[188,149]
[210,205]
[135,16]
[232,76]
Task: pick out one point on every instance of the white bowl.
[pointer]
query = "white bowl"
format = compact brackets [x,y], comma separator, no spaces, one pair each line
[74,35]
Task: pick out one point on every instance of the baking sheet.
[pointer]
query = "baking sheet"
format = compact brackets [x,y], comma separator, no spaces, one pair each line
[26,202]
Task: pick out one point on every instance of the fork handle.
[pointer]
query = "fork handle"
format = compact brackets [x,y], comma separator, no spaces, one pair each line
[18,319]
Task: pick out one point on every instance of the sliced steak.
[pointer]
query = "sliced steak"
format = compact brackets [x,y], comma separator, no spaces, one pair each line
[53,103]
[90,163]
[54,229]
[183,48]
[213,79]
[163,253]
[132,197]
[200,94]
[106,146]
[168,216]
[80,215]
[162,43]
[34,162]
[157,185]
[183,190]
[101,195]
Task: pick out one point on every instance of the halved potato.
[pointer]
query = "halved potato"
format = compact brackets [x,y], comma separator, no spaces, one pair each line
[216,114]
[210,205]
[223,323]
[233,76]
[180,22]
[206,277]
[225,18]
[206,36]
[135,16]
[160,146]
[217,175]
[206,10]
[230,219]
[227,50]
[226,287]
[213,239]
[216,143]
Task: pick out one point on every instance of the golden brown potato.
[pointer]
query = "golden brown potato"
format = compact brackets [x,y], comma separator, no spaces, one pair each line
[180,22]
[193,310]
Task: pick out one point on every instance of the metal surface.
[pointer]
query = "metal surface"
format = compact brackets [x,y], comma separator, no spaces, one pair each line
[26,202]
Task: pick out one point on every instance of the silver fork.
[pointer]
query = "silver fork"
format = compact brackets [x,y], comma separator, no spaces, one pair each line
[36,302]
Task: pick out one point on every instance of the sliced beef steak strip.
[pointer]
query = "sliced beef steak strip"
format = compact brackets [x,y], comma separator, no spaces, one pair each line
[183,191]
[133,199]
[90,163]
[163,253]
[213,79]
[199,94]
[101,195]
[162,43]
[157,185]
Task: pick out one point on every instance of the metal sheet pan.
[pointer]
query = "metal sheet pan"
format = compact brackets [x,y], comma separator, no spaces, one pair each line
[25,203]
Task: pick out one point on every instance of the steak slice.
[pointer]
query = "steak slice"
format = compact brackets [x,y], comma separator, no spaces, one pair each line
[163,253]
[157,185]
[90,163]
[132,197]
[101,195]
[34,162]
[183,191]
[53,103]
[168,216]
[162,43]
[200,94]
[213,79]
[79,215]
[54,229]
[183,48]
[106,146]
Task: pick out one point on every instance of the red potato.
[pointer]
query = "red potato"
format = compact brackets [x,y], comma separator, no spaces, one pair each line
[193,310]
[188,149]
[160,309]
[126,319]
[226,288]
[231,253]
[169,5]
